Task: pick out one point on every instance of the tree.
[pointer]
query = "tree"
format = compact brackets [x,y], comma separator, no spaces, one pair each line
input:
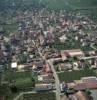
[22,58]
[33,82]
[88,92]
[13,89]
[75,58]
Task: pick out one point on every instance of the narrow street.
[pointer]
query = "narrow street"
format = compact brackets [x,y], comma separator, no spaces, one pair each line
[21,94]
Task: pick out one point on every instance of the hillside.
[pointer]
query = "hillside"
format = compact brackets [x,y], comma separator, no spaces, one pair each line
[52,4]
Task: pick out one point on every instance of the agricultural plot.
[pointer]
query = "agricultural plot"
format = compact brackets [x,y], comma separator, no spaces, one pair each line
[71,43]
[20,79]
[40,96]
[88,7]
[73,4]
[53,4]
[75,75]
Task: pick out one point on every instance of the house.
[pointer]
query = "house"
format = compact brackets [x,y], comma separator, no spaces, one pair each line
[63,55]
[80,86]
[47,69]
[72,53]
[63,38]
[89,79]
[91,53]
[46,78]
[32,65]
[14,65]
[81,95]
[43,87]
[65,67]
[86,83]
[64,97]
[75,66]
[21,67]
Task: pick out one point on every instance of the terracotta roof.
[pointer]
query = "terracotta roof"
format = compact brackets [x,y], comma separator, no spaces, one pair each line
[80,86]
[91,85]
[74,52]
[86,85]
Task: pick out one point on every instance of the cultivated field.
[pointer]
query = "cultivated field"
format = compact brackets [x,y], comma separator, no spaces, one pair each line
[40,96]
[75,75]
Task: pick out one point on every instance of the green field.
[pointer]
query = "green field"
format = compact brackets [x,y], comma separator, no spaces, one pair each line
[73,4]
[10,28]
[40,96]
[20,79]
[75,75]
[88,7]
[15,75]
[52,4]
[70,44]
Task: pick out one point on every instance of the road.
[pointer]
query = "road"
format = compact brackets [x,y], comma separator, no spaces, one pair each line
[21,95]
[57,82]
[84,58]
[93,47]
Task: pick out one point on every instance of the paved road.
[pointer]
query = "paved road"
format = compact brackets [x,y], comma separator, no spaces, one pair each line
[93,47]
[21,94]
[88,57]
[57,82]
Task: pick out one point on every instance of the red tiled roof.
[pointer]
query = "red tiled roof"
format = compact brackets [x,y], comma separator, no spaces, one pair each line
[74,52]
[91,85]
[87,85]
[80,86]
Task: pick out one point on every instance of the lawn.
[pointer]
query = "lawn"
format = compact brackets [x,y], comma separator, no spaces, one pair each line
[40,96]
[75,75]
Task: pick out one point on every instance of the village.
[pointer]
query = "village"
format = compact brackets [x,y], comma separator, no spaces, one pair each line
[55,52]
